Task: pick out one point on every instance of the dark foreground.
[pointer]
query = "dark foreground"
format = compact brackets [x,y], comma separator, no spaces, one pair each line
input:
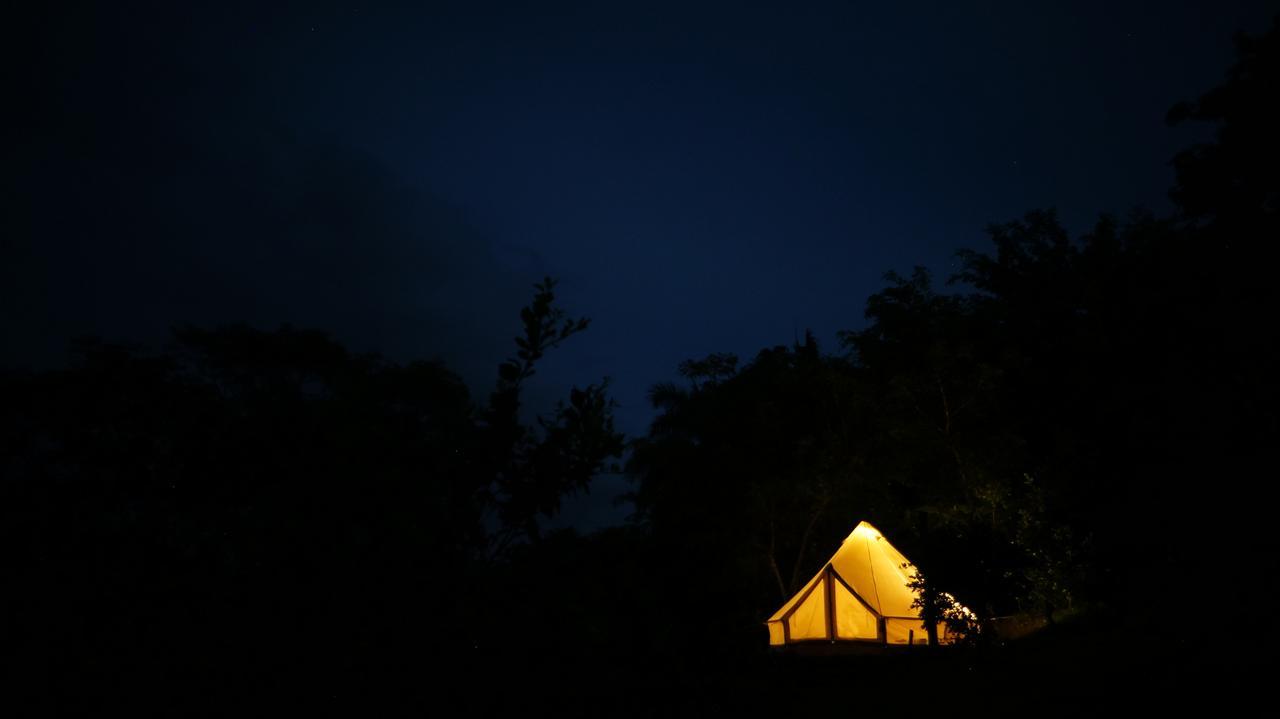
[1073,667]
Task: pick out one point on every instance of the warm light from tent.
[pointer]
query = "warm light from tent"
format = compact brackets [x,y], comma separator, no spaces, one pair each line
[865,530]
[862,594]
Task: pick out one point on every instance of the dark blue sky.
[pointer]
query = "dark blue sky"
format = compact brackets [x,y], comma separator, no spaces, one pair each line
[701,177]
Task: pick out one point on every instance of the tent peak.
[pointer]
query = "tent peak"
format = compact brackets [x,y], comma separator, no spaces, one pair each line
[864,529]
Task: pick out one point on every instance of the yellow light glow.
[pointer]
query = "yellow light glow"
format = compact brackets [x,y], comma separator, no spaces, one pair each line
[863,593]
[864,530]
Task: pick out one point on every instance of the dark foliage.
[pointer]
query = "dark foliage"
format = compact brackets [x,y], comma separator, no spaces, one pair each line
[1083,425]
[263,505]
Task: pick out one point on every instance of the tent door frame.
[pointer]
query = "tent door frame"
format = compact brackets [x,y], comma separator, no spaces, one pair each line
[831,602]
[881,635]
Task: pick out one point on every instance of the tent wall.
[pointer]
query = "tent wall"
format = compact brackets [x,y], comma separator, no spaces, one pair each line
[905,631]
[777,636]
[809,620]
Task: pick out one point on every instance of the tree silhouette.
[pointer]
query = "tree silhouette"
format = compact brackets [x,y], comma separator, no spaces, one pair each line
[271,490]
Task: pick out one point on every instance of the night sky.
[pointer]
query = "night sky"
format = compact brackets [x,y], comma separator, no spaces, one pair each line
[700,179]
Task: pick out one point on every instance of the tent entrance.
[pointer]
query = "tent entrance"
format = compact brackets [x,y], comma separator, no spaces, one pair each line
[829,610]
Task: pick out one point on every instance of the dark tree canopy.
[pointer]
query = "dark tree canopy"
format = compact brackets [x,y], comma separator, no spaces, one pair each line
[246,488]
[1051,433]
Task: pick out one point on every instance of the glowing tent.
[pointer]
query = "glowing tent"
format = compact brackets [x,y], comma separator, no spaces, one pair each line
[860,595]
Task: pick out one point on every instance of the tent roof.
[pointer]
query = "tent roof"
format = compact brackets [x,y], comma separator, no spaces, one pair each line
[873,569]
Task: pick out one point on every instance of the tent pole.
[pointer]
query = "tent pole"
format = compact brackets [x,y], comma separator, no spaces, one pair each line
[831,605]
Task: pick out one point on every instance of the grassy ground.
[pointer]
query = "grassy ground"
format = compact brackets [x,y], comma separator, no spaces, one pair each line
[1071,668]
[1075,667]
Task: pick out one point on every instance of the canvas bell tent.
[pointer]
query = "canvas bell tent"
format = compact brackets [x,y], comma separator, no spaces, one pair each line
[860,595]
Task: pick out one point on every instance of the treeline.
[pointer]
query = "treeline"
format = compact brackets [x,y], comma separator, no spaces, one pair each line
[1071,424]
[268,506]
